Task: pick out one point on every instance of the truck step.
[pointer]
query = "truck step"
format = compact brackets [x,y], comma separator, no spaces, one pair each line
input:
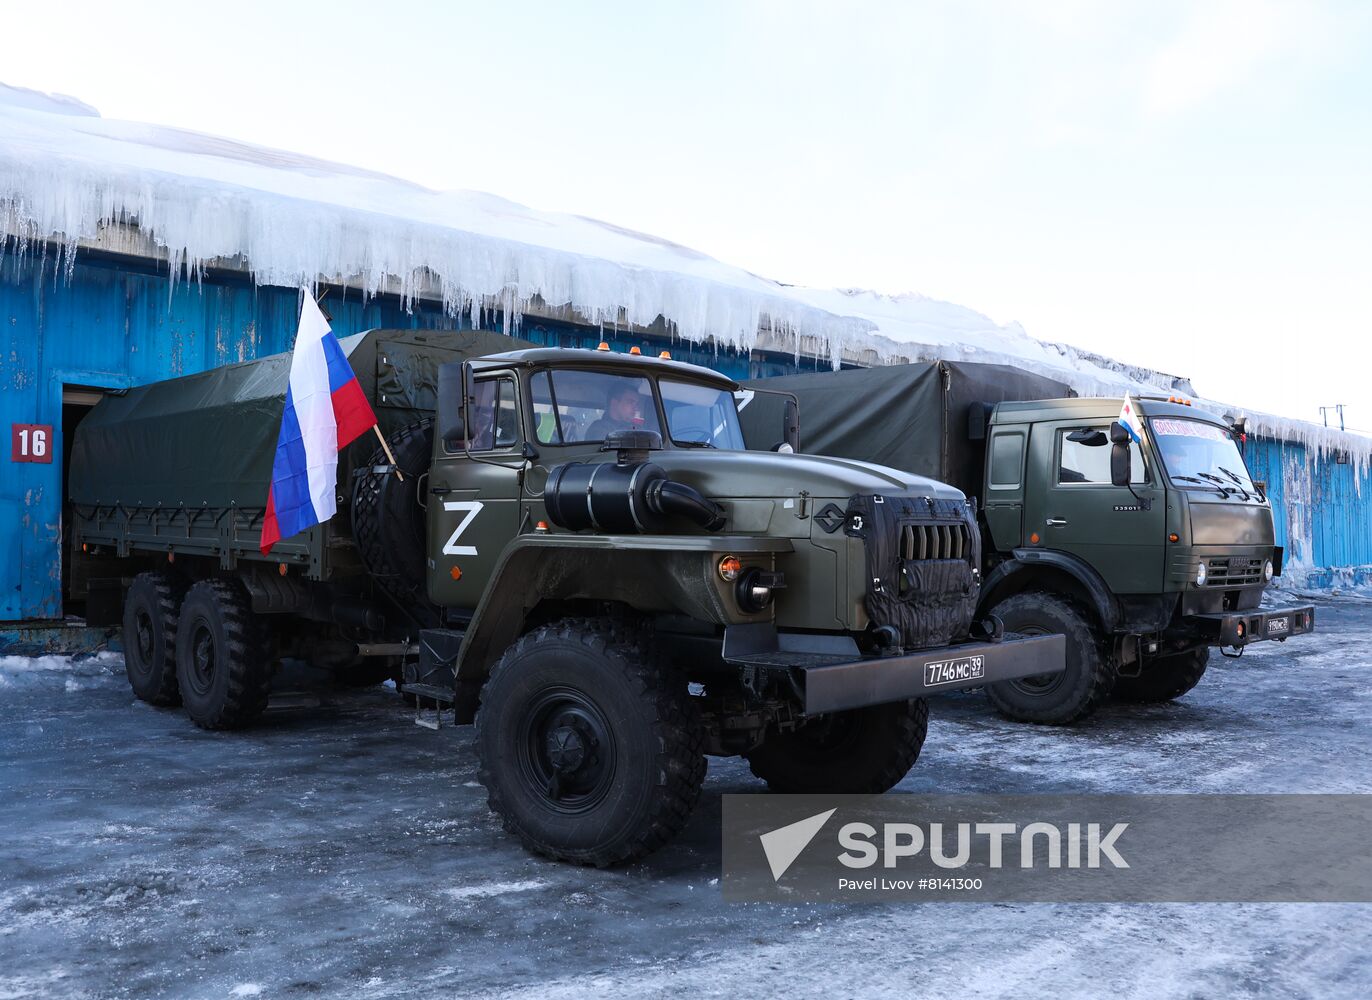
[432,703]
[431,692]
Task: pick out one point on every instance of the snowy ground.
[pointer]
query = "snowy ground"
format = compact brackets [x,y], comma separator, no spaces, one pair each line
[339,850]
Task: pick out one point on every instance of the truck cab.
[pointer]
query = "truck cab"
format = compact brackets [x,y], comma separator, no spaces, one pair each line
[1161,544]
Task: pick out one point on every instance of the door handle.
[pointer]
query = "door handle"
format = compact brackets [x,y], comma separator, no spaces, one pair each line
[1056,522]
[440,491]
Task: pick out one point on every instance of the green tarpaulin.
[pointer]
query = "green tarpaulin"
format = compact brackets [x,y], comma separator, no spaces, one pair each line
[208,440]
[910,417]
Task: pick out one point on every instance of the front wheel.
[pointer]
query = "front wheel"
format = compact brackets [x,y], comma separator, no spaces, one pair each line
[1064,697]
[1165,678]
[861,751]
[589,746]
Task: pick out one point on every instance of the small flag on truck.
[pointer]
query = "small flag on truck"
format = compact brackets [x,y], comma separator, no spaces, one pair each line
[326,410]
[1129,419]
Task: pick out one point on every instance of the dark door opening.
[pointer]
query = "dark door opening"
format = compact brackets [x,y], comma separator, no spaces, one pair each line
[77,401]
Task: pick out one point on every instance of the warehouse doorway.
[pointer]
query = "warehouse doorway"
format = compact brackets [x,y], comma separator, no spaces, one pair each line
[77,401]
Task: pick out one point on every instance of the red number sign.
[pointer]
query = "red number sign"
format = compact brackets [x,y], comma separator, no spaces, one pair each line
[30,442]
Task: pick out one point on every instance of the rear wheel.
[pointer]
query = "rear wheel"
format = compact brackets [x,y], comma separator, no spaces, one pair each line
[589,745]
[151,609]
[1165,678]
[222,664]
[865,750]
[1059,698]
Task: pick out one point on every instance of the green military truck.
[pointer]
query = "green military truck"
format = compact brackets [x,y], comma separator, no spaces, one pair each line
[1145,556]
[572,549]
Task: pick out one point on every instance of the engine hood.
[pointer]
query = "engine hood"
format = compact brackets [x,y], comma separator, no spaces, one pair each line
[1217,522]
[726,475]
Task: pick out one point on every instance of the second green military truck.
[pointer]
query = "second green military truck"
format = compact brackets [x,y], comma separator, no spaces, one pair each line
[1146,555]
[571,548]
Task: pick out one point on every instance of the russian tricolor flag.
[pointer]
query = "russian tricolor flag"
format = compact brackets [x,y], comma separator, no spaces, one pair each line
[326,411]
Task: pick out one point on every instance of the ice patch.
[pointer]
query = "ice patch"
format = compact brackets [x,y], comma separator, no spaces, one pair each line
[246,990]
[492,889]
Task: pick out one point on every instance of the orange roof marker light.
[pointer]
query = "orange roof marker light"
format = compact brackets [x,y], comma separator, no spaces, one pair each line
[603,346]
[635,350]
[666,355]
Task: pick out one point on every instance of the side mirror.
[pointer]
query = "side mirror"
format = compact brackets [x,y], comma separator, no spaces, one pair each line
[1089,438]
[1119,455]
[790,423]
[452,404]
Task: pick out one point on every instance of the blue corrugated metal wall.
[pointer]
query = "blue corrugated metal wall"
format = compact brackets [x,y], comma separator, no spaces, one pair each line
[1323,511]
[110,324]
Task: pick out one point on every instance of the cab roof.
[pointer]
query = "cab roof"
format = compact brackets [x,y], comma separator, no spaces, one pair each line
[1095,408]
[579,357]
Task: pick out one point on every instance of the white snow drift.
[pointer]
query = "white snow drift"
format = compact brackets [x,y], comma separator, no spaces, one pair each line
[68,175]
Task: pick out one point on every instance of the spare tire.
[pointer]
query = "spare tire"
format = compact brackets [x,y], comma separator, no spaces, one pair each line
[388,520]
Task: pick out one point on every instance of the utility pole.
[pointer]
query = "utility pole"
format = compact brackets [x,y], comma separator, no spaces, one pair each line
[1338,408]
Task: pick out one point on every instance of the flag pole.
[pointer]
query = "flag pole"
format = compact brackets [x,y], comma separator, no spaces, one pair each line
[386,445]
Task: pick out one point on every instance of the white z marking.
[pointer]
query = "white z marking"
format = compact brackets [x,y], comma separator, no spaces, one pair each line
[473,508]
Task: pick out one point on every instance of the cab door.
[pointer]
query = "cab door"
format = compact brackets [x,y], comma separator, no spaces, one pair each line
[1077,509]
[473,494]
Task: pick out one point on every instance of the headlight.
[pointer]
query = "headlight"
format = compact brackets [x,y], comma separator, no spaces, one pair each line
[756,588]
[1200,574]
[1267,571]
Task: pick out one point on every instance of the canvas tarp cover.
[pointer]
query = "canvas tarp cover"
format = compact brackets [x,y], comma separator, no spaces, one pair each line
[909,417]
[208,440]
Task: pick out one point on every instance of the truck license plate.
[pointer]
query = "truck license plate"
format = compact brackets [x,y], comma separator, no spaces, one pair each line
[1278,626]
[964,668]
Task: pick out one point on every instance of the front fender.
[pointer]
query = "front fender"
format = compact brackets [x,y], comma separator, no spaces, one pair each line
[1012,576]
[671,574]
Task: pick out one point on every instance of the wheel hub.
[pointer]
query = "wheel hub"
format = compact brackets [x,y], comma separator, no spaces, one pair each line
[566,750]
[202,660]
[143,629]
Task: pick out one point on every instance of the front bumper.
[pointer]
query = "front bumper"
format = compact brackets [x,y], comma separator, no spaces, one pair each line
[830,679]
[1241,628]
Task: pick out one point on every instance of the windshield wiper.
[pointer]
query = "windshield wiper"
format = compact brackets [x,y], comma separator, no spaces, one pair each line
[1201,482]
[1219,484]
[1239,482]
[693,444]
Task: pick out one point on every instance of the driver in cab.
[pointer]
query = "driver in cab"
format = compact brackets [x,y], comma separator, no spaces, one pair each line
[623,412]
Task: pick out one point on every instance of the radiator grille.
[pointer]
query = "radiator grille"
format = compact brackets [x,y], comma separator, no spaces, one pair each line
[935,541]
[1236,572]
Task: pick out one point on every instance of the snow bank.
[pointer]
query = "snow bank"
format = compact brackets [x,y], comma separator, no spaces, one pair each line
[294,220]
[67,175]
[75,671]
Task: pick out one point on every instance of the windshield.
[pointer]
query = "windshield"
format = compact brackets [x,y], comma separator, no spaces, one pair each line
[701,415]
[574,407]
[1200,455]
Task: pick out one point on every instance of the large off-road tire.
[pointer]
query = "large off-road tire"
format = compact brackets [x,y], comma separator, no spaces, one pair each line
[388,521]
[150,618]
[1165,678]
[222,664]
[589,745]
[1054,699]
[864,750]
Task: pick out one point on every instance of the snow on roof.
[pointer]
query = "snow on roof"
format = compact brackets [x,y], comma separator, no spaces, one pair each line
[66,173]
